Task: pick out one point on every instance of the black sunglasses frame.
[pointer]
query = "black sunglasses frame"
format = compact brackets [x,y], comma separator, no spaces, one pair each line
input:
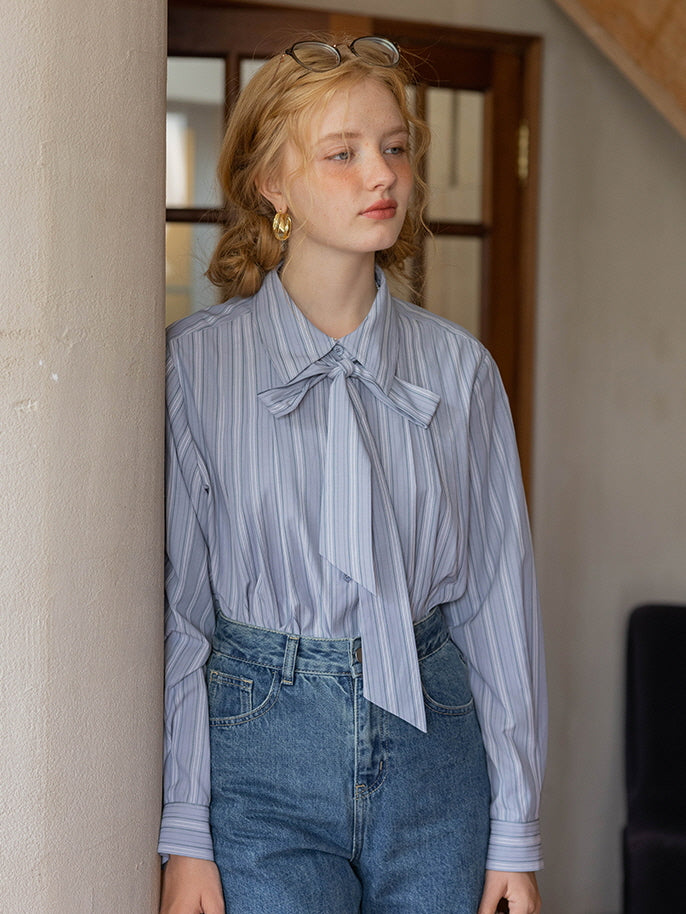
[336,59]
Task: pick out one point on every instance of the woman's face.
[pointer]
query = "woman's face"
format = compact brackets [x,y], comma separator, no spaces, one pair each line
[352,194]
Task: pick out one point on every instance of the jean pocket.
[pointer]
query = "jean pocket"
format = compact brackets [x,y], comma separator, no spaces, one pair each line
[238,691]
[445,681]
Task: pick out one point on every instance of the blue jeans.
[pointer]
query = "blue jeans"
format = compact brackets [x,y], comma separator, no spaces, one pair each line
[323,803]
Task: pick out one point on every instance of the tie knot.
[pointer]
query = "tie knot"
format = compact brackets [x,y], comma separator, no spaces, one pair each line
[343,365]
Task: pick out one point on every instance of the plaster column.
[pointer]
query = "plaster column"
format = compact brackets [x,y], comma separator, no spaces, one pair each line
[81,386]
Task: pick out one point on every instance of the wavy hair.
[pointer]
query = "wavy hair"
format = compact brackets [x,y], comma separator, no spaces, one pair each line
[275,107]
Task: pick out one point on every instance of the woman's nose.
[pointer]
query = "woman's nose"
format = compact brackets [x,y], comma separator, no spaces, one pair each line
[380,171]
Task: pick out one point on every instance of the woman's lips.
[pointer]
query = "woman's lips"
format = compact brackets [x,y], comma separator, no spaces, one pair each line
[382,209]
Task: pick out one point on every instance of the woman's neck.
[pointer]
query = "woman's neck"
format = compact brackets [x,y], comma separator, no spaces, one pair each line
[335,298]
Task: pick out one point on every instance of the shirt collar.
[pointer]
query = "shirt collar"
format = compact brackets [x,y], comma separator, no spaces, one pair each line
[294,343]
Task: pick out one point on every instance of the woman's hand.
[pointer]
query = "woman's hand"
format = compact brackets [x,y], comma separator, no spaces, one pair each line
[191,886]
[519,890]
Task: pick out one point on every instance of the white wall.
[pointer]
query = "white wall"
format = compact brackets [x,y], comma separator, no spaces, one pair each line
[610,431]
[610,500]
[611,437]
[81,336]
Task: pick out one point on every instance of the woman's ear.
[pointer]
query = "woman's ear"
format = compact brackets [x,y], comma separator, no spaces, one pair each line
[271,190]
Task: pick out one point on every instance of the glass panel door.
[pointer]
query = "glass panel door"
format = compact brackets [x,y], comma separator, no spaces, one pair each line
[189,248]
[455,170]
[453,280]
[195,124]
[455,167]
[196,107]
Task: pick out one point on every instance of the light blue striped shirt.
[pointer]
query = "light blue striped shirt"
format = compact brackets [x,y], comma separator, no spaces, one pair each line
[335,489]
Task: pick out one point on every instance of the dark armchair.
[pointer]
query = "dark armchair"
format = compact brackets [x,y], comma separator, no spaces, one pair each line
[655,834]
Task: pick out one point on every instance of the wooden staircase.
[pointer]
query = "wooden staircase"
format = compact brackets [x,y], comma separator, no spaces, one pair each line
[646,39]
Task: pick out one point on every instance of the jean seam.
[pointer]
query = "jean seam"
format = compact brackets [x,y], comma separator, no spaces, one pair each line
[448,710]
[380,779]
[275,668]
[256,713]
[228,679]
[421,657]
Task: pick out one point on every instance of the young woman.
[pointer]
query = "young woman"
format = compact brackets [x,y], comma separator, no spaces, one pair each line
[355,689]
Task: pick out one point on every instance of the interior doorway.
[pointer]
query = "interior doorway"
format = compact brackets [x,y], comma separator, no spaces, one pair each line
[479,91]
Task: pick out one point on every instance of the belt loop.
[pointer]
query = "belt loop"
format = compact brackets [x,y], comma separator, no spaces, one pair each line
[289,655]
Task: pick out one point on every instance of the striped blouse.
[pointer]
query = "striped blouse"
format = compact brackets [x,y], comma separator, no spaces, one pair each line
[341,488]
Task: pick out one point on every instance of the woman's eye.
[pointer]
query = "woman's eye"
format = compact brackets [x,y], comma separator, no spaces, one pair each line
[343,156]
[396,150]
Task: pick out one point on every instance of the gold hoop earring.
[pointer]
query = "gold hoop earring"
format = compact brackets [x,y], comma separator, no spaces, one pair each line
[281,226]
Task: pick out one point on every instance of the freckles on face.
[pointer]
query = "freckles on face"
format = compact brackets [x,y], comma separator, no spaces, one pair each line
[357,176]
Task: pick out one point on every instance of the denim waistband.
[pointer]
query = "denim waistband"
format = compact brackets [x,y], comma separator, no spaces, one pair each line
[279,650]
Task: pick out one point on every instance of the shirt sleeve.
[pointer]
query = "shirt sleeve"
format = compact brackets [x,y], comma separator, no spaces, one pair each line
[189,623]
[496,623]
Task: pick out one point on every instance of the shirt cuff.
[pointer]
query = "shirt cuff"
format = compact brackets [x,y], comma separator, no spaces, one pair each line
[185,830]
[515,847]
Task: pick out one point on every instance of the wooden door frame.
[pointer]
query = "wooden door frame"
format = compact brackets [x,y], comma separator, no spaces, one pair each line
[507,67]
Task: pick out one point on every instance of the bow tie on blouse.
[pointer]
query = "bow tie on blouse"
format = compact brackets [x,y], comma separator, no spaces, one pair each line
[357,512]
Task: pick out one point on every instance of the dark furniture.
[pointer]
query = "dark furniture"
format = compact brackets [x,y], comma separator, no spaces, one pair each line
[655,834]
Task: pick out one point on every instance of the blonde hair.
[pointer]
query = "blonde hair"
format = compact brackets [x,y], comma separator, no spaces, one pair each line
[276,106]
